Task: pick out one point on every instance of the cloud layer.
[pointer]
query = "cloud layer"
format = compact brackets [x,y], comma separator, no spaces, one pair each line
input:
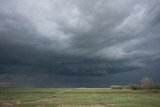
[78,38]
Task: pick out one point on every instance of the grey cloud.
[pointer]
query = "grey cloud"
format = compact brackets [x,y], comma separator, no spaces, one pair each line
[78,38]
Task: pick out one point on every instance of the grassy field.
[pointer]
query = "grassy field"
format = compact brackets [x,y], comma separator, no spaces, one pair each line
[77,97]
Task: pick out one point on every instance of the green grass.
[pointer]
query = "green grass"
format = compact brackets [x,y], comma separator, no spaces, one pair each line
[52,97]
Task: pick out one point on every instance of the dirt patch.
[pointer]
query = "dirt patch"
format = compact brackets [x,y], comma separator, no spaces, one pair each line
[109,105]
[10,102]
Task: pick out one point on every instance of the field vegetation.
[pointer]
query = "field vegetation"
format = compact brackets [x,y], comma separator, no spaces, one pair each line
[77,97]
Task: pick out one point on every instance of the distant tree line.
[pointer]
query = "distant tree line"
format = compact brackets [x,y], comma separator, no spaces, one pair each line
[145,84]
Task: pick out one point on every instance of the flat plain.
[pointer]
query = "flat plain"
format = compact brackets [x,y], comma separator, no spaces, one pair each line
[77,97]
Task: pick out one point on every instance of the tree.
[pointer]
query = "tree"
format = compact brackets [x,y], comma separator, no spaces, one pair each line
[147,83]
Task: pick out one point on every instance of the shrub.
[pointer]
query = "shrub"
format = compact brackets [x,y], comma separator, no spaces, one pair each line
[157,86]
[135,87]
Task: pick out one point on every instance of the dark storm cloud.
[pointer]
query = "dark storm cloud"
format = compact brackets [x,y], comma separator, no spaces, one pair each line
[78,38]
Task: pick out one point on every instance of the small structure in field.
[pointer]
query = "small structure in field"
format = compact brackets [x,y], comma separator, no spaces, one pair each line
[116,87]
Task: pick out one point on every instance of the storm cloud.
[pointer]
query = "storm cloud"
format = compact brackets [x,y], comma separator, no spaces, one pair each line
[77,39]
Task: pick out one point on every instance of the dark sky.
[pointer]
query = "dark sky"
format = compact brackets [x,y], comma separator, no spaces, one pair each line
[79,43]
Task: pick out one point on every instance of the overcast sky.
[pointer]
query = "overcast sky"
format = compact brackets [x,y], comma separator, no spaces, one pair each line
[82,43]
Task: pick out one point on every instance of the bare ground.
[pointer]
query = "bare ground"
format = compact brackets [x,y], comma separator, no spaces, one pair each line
[109,105]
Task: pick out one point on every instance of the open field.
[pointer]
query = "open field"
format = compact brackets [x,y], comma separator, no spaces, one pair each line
[77,97]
